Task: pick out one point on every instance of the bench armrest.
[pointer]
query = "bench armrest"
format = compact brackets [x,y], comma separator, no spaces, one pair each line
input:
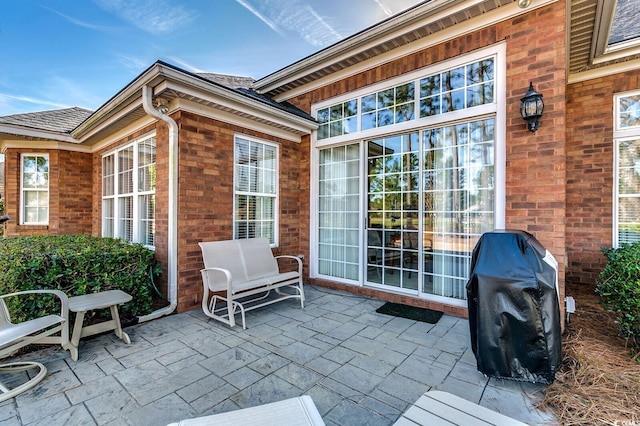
[64,300]
[208,275]
[292,257]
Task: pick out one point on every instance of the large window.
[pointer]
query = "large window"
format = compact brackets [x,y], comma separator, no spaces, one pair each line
[411,172]
[128,192]
[256,189]
[627,167]
[35,189]
[465,86]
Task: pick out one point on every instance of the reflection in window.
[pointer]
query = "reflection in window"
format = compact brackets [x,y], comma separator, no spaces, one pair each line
[629,111]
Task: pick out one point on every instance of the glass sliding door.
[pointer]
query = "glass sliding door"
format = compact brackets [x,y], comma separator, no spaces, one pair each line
[458,202]
[339,212]
[392,240]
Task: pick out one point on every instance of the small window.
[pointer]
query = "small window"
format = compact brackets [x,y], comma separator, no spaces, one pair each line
[255,189]
[35,189]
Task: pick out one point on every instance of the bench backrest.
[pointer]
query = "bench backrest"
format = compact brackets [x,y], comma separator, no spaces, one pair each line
[258,258]
[245,259]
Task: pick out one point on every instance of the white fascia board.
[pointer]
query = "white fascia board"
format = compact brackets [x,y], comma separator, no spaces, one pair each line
[232,100]
[604,71]
[36,133]
[477,23]
[227,117]
[54,145]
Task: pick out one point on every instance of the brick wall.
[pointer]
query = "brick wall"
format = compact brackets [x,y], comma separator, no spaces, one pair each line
[590,173]
[69,193]
[206,196]
[536,182]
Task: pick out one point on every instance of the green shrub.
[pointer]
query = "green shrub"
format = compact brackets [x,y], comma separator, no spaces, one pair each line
[619,288]
[76,265]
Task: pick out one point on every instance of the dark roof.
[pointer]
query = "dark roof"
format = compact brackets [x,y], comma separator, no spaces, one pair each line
[57,120]
[231,81]
[285,106]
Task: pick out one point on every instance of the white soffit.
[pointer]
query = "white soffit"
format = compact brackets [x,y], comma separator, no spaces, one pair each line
[603,38]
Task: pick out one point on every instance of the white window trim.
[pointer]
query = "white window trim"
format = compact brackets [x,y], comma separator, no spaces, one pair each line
[276,204]
[620,134]
[498,109]
[116,195]
[23,220]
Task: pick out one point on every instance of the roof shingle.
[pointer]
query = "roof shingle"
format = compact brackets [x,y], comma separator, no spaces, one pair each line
[57,120]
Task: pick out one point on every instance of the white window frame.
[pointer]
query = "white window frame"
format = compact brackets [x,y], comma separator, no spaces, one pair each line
[24,191]
[496,109]
[275,196]
[620,134]
[135,194]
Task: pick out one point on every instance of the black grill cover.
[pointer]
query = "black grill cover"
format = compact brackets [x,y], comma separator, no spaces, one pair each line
[514,315]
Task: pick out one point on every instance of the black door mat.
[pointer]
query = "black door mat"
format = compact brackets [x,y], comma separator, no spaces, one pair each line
[410,312]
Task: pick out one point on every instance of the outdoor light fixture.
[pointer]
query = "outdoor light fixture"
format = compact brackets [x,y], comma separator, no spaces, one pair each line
[161,106]
[531,107]
[523,4]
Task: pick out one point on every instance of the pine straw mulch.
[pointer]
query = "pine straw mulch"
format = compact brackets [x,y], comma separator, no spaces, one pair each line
[599,383]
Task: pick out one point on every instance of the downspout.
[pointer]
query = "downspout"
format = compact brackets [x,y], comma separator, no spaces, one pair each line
[172,249]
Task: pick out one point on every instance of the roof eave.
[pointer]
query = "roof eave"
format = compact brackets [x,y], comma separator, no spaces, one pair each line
[28,132]
[161,72]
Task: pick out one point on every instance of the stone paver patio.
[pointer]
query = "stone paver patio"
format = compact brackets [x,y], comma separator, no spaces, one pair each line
[360,368]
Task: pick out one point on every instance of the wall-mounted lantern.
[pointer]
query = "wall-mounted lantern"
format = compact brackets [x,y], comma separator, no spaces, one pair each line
[531,107]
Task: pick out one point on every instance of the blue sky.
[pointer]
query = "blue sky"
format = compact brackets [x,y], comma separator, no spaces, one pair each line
[62,53]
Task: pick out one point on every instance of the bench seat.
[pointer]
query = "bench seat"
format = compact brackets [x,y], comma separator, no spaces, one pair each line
[241,274]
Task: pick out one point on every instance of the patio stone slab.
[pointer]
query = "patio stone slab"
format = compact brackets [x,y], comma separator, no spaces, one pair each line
[360,367]
[348,413]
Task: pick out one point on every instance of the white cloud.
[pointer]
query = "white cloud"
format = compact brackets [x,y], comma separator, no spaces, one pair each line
[11,103]
[384,8]
[184,65]
[153,16]
[294,16]
[260,16]
[78,22]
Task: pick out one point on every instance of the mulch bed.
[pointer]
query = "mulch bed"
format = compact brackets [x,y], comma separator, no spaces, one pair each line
[599,383]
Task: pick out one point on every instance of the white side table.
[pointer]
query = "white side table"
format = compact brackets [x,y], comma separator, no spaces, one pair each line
[88,302]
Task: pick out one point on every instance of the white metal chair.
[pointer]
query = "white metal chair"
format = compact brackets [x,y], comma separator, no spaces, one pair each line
[39,330]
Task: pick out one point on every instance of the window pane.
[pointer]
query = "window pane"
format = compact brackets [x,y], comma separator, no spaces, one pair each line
[338,251]
[107,218]
[628,191]
[629,107]
[256,189]
[108,176]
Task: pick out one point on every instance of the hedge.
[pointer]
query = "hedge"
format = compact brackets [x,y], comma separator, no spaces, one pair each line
[77,265]
[619,288]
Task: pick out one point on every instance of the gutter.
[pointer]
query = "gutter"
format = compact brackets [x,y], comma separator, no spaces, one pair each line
[172,255]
